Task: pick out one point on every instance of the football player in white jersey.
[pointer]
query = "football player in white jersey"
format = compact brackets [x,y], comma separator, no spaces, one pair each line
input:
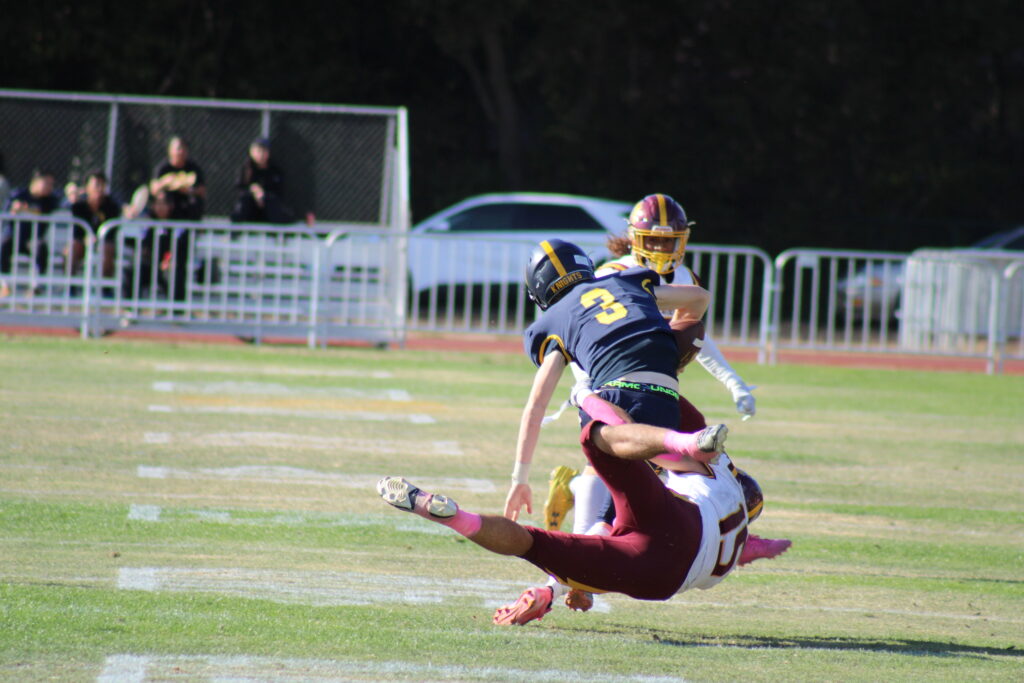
[657,236]
[666,539]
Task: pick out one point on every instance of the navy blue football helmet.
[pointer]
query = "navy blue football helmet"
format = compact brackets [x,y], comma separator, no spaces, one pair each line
[555,267]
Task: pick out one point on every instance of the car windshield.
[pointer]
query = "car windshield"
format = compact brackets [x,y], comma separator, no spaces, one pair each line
[513,216]
[1007,239]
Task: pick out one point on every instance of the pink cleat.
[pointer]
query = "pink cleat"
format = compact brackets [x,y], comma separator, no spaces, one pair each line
[757,548]
[534,603]
[578,600]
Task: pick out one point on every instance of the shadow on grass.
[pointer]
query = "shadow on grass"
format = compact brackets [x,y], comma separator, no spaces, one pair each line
[920,648]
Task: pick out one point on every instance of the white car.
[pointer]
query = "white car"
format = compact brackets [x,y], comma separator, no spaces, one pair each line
[487,239]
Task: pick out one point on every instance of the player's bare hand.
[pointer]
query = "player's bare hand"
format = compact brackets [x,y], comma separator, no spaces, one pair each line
[519,496]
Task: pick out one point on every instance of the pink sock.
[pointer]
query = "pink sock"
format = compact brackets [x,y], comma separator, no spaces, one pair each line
[599,409]
[466,523]
[681,443]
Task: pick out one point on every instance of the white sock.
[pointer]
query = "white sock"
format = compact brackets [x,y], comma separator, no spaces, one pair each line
[558,590]
[591,498]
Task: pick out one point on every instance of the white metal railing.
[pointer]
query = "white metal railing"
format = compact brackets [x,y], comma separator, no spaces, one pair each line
[39,280]
[740,281]
[362,286]
[836,300]
[951,306]
[246,280]
[964,303]
[256,281]
[1013,312]
[460,284]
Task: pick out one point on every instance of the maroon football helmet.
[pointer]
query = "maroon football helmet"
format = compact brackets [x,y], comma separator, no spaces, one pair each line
[659,231]
[752,494]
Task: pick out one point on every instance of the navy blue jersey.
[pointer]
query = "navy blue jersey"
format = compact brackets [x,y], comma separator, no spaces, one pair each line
[609,326]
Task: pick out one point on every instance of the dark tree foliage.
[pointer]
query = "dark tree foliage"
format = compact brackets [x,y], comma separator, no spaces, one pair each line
[838,123]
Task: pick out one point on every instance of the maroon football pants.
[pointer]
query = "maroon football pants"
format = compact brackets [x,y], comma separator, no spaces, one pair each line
[653,543]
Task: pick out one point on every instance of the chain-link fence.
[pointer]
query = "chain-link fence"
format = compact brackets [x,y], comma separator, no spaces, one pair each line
[344,164]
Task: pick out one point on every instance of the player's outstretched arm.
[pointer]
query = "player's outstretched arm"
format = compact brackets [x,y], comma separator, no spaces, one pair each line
[714,362]
[634,441]
[544,383]
[694,299]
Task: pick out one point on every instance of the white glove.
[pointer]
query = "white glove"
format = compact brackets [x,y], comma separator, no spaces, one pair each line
[583,386]
[580,391]
[746,404]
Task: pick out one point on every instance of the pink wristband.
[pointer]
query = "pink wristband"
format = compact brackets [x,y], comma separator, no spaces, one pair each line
[681,443]
[600,410]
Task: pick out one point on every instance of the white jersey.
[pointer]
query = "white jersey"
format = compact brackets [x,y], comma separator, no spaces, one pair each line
[723,514]
[683,275]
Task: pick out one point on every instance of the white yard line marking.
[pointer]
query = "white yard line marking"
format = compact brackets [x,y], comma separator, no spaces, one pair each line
[155,513]
[147,472]
[272,474]
[287,440]
[272,389]
[354,588]
[124,669]
[142,668]
[413,418]
[269,370]
[314,588]
[145,513]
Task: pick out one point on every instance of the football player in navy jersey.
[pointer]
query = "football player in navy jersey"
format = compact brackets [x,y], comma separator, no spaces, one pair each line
[612,329]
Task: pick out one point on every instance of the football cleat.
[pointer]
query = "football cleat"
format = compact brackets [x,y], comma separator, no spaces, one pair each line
[757,548]
[579,600]
[405,496]
[560,497]
[534,603]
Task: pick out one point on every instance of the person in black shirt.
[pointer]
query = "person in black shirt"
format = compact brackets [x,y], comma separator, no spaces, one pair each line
[94,207]
[185,186]
[28,237]
[260,186]
[182,179]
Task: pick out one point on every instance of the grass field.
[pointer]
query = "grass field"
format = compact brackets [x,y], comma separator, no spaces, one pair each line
[193,512]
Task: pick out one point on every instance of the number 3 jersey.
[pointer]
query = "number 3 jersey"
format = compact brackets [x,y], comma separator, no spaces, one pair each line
[723,516]
[610,326]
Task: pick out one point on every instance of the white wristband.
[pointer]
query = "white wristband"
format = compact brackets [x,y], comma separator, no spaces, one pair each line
[521,473]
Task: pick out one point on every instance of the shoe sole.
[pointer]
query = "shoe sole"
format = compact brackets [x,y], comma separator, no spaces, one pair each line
[401,494]
[397,492]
